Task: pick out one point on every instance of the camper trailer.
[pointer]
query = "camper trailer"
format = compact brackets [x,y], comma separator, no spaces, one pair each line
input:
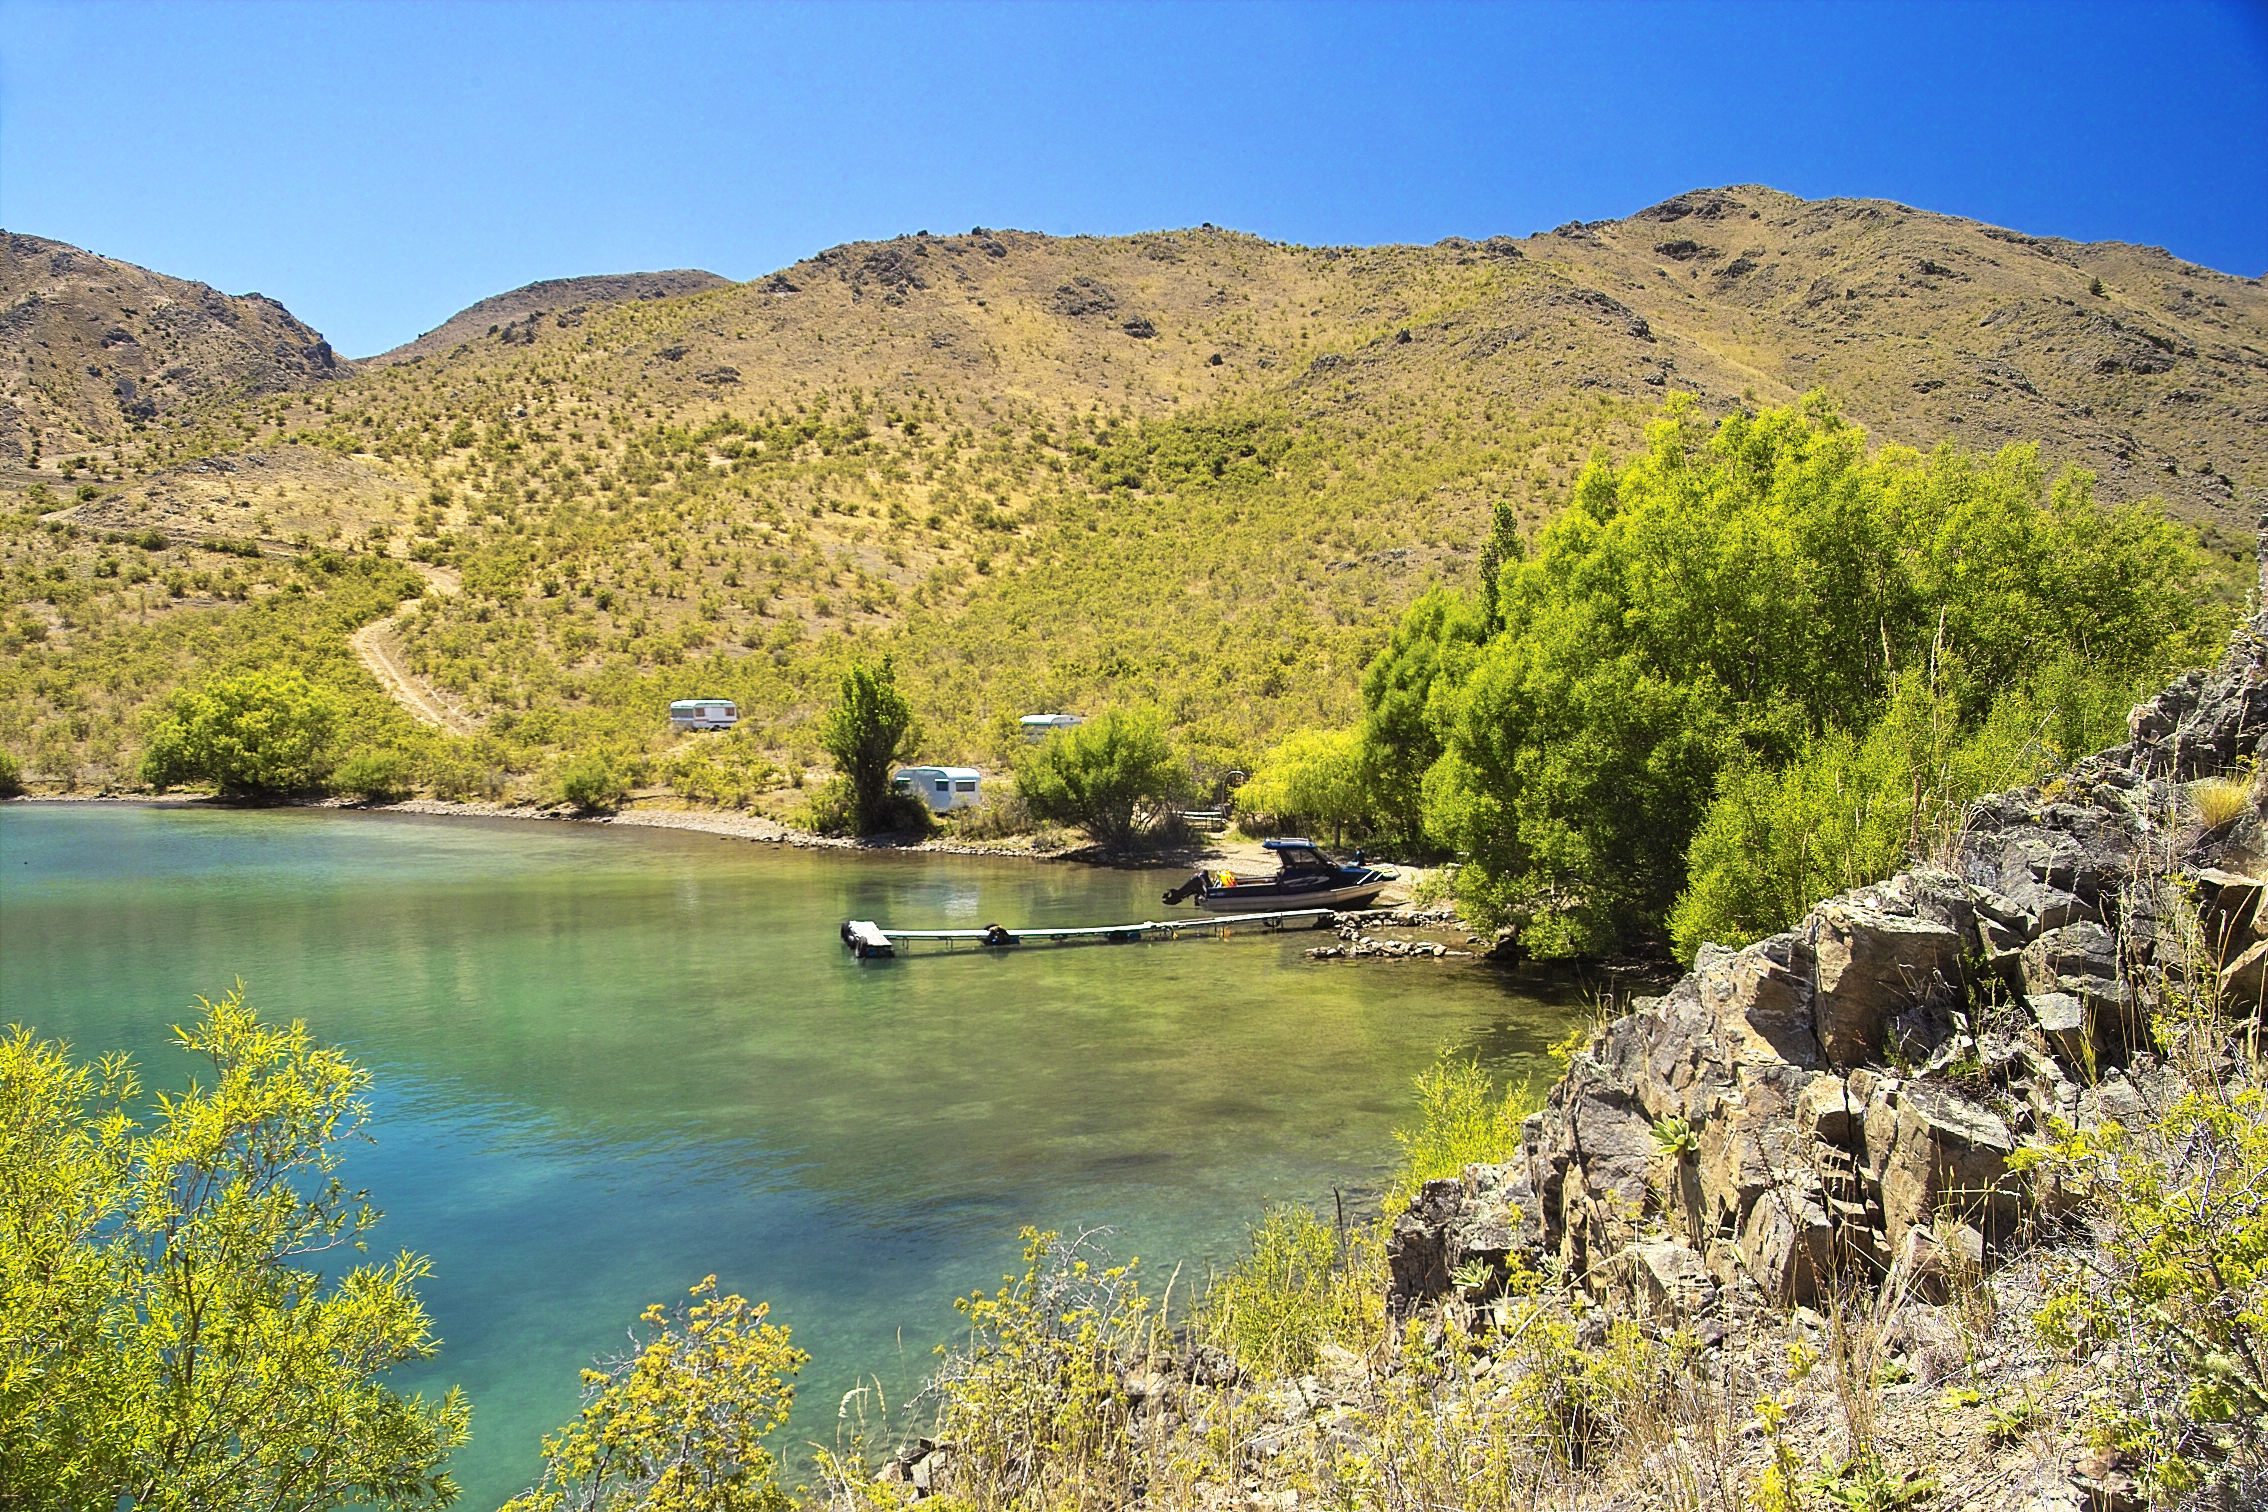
[943,788]
[1038,727]
[703,714]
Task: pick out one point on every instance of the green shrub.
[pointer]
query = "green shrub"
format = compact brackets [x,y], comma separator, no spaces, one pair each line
[1297,1289]
[1462,1119]
[1737,590]
[159,1272]
[1112,777]
[377,775]
[464,770]
[11,775]
[1003,815]
[253,735]
[596,782]
[1849,809]
[1031,1401]
[830,809]
[2170,1291]
[680,1422]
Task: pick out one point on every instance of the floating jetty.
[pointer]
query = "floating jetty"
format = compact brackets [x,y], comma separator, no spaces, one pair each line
[870,941]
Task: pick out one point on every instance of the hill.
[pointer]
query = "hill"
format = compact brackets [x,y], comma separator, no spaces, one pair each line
[1192,467]
[93,350]
[564,299]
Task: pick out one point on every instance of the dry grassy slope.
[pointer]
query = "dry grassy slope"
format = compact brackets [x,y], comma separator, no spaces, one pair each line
[1927,327]
[90,347]
[564,299]
[984,422]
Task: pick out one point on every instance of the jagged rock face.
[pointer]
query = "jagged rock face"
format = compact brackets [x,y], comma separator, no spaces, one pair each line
[1850,1092]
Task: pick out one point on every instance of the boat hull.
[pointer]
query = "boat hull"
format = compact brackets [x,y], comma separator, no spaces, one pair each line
[1262,898]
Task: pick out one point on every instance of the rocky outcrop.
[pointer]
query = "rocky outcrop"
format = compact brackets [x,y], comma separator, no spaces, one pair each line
[1841,1102]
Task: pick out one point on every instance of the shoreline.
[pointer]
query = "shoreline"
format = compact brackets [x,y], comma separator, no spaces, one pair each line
[752,827]
[761,830]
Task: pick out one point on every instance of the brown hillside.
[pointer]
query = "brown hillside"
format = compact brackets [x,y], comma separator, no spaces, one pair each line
[566,300]
[1191,467]
[92,349]
[1927,327]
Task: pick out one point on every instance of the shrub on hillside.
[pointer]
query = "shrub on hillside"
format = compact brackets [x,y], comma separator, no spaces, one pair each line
[11,775]
[265,734]
[462,770]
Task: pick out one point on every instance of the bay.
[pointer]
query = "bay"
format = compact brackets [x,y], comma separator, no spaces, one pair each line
[611,1061]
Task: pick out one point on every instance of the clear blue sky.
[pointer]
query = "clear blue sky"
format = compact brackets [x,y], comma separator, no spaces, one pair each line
[377,167]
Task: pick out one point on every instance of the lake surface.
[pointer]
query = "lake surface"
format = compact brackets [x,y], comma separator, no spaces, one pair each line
[610,1061]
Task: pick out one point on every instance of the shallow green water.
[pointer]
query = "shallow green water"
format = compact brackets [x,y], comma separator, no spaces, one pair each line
[611,1061]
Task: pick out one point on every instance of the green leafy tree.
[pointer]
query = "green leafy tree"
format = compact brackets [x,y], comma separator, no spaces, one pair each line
[1112,776]
[1852,807]
[1728,600]
[679,1424]
[1313,778]
[264,734]
[867,734]
[164,1341]
[1405,694]
[596,782]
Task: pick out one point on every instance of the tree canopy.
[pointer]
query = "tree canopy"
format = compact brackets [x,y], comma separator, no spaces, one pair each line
[261,734]
[1735,601]
[1110,776]
[867,733]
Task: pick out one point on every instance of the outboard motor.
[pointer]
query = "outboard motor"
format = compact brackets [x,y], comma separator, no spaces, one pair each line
[1192,888]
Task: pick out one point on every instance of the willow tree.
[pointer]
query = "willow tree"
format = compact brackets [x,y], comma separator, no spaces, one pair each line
[1717,609]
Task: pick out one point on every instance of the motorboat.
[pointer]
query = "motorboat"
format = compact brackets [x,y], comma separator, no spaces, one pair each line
[1305,877]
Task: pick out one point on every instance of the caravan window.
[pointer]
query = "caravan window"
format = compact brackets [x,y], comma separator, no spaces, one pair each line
[943,786]
[965,785]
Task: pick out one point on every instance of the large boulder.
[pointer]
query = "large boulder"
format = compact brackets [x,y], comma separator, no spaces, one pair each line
[1875,968]
[1760,1000]
[1947,1156]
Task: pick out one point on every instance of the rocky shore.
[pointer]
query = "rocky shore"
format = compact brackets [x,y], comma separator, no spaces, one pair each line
[1841,1105]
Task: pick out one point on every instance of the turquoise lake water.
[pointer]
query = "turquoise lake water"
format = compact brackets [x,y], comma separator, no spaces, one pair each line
[610,1061]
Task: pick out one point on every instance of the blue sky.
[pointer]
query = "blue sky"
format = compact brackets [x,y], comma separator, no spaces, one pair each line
[377,167]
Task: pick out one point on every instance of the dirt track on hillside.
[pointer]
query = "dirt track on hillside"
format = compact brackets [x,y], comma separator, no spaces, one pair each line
[371,649]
